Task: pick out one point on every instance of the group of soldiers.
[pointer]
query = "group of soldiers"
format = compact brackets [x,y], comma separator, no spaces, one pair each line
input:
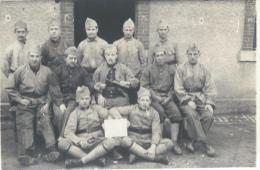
[65,93]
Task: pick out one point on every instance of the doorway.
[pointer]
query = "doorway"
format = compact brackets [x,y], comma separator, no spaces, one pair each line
[109,14]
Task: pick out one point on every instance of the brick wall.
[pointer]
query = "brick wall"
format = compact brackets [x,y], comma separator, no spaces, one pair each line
[67,20]
[142,18]
[249,26]
[36,14]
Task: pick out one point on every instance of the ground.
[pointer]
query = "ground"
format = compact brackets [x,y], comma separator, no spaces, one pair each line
[232,135]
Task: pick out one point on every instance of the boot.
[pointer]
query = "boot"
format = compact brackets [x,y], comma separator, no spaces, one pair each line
[72,163]
[132,159]
[161,159]
[26,160]
[52,156]
[210,151]
[116,155]
[101,162]
[190,147]
[176,148]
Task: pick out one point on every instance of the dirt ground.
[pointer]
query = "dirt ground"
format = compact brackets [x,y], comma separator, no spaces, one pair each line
[233,136]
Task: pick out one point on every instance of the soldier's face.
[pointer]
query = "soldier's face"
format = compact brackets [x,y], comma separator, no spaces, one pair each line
[159,57]
[21,34]
[144,102]
[128,32]
[193,57]
[71,60]
[111,56]
[34,59]
[84,101]
[92,32]
[163,31]
[55,32]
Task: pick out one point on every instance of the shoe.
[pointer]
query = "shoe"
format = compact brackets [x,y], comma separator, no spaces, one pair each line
[116,155]
[72,163]
[210,151]
[190,147]
[26,160]
[162,159]
[51,156]
[101,162]
[176,149]
[132,159]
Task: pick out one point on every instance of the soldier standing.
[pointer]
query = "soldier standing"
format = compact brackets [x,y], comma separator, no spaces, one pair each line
[92,48]
[53,49]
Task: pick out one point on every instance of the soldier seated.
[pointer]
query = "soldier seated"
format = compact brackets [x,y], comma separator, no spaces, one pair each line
[83,135]
[69,76]
[144,138]
[196,92]
[29,88]
[159,79]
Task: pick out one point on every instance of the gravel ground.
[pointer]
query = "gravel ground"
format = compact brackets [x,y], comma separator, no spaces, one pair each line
[234,139]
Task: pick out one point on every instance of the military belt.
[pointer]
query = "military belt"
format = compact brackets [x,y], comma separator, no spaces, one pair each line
[140,130]
[89,130]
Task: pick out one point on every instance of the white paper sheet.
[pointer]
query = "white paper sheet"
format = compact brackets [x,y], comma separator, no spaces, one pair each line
[115,127]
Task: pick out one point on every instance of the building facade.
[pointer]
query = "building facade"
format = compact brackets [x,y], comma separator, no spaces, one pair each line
[223,30]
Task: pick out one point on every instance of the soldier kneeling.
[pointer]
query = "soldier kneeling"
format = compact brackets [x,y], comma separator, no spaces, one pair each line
[144,134]
[83,135]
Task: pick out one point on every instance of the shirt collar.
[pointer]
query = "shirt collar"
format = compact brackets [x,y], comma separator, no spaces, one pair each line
[95,40]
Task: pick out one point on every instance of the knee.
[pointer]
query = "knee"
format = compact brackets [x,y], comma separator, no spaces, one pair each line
[188,111]
[168,143]
[126,142]
[109,144]
[64,145]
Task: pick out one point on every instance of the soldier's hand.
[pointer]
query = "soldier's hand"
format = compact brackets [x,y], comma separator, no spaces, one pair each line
[83,144]
[192,105]
[63,108]
[25,102]
[45,108]
[166,101]
[125,83]
[100,86]
[209,108]
[101,100]
[151,152]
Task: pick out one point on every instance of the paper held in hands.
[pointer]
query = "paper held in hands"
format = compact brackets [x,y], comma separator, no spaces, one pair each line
[115,127]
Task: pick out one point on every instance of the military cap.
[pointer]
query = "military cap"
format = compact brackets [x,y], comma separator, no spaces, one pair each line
[129,23]
[193,48]
[72,51]
[34,48]
[54,22]
[162,23]
[90,23]
[82,91]
[20,24]
[110,47]
[143,92]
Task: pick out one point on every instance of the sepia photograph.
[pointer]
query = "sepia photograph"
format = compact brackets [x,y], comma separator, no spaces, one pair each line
[129,84]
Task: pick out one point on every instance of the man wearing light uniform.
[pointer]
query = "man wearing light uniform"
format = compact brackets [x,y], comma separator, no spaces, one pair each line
[196,92]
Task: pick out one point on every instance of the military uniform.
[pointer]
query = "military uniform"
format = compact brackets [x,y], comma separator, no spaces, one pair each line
[160,80]
[115,95]
[69,78]
[194,83]
[91,49]
[25,84]
[144,130]
[15,55]
[85,126]
[53,52]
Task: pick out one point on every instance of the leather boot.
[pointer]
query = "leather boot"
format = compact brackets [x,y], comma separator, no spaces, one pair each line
[73,163]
